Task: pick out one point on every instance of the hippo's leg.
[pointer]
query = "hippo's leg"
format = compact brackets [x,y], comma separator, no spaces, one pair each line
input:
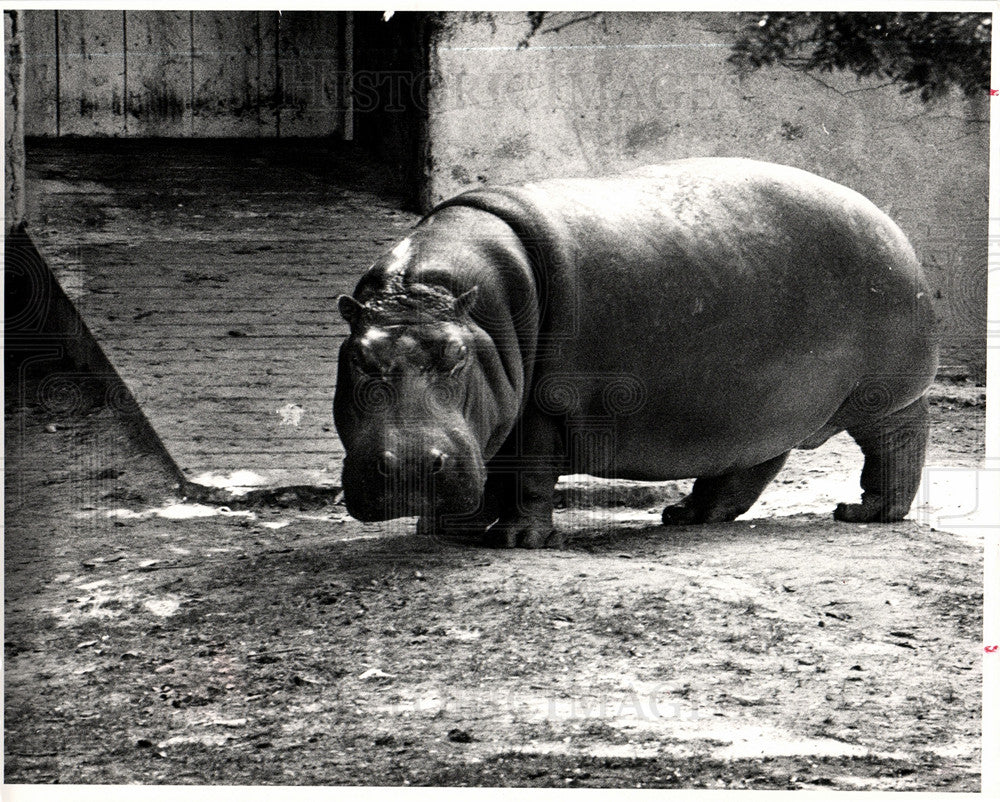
[527,521]
[714,499]
[894,449]
[530,464]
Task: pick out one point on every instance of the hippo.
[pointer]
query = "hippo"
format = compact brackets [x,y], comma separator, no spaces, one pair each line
[697,319]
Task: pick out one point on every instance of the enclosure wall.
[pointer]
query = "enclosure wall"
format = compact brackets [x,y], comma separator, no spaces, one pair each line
[186,73]
[600,93]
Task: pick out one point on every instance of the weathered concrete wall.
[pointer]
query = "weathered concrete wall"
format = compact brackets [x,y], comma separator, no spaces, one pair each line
[618,90]
[13,39]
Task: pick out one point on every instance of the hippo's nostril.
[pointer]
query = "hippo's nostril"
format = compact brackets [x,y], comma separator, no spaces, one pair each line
[438,460]
[388,463]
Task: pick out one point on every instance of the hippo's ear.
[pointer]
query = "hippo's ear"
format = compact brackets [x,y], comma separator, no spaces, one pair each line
[349,308]
[466,301]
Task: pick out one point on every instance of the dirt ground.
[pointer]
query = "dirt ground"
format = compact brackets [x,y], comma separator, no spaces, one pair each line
[146,644]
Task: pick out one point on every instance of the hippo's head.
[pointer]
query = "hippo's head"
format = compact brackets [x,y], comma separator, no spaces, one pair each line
[411,405]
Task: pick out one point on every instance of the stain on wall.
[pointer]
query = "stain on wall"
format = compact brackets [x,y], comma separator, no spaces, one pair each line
[185,73]
[645,135]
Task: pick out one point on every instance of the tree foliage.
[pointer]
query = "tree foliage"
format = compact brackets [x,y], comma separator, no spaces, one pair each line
[927,53]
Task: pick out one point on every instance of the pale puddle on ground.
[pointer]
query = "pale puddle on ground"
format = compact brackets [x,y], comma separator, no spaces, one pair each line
[238,482]
[181,511]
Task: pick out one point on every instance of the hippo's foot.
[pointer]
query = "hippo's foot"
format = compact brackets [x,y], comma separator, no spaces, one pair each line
[717,499]
[524,534]
[681,514]
[688,512]
[873,510]
[894,459]
[526,502]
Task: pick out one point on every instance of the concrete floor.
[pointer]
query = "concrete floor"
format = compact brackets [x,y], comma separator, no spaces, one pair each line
[208,272]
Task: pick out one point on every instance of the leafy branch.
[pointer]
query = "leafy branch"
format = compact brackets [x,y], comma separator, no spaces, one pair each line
[927,53]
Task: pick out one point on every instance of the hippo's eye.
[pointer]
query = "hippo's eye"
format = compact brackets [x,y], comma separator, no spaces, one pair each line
[362,363]
[453,356]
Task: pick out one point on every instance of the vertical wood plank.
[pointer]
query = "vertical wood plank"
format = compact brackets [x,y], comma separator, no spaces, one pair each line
[13,120]
[91,73]
[226,74]
[267,71]
[158,91]
[309,54]
[40,70]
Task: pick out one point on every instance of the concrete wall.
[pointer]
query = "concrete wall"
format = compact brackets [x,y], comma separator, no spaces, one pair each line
[597,94]
[13,39]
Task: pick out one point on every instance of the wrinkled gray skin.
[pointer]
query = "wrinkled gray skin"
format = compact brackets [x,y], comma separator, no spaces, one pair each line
[698,319]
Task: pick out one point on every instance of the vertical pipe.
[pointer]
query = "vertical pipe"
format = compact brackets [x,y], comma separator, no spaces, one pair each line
[278,98]
[58,89]
[348,76]
[191,49]
[124,73]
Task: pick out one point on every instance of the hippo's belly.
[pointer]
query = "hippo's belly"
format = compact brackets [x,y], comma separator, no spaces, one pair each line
[672,421]
[715,429]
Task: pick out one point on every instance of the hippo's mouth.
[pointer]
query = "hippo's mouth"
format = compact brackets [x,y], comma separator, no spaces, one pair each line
[385,507]
[372,497]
